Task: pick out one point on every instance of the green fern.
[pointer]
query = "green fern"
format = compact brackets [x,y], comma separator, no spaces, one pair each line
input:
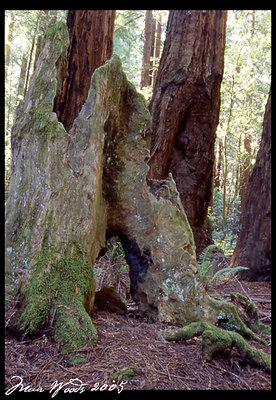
[207,268]
[228,271]
[206,253]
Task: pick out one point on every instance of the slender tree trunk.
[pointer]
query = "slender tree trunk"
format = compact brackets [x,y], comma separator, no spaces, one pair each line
[7,46]
[31,53]
[148,51]
[37,49]
[23,69]
[185,110]
[29,66]
[218,166]
[157,47]
[246,166]
[253,247]
[8,76]
[225,147]
[91,44]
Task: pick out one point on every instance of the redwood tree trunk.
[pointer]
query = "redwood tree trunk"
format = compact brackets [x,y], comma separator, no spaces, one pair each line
[91,44]
[185,110]
[253,247]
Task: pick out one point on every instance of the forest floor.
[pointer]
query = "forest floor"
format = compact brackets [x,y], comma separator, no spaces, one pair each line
[129,346]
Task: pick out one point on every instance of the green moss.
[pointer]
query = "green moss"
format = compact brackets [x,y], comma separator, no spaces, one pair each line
[58,35]
[56,295]
[249,313]
[228,318]
[125,373]
[216,340]
[73,328]
[36,305]
[40,120]
[186,332]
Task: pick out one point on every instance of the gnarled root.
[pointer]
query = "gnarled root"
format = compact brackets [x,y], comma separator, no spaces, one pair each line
[249,313]
[216,340]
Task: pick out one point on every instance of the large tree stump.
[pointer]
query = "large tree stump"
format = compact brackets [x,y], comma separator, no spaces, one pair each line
[69,191]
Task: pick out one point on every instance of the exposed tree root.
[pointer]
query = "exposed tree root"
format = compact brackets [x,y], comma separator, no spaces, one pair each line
[218,340]
[235,322]
[230,320]
[249,313]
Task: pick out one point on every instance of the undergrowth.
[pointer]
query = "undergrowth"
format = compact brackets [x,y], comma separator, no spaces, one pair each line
[207,268]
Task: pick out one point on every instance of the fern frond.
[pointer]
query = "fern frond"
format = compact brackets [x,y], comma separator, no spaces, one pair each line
[206,254]
[229,271]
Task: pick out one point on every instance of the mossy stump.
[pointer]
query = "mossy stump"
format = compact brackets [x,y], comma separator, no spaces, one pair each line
[70,190]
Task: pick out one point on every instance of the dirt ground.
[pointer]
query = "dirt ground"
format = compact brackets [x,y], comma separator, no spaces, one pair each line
[129,346]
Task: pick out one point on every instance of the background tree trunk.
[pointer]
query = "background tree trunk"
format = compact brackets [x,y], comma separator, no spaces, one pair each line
[7,46]
[246,165]
[218,166]
[148,50]
[37,49]
[23,69]
[185,110]
[253,247]
[91,44]
[157,46]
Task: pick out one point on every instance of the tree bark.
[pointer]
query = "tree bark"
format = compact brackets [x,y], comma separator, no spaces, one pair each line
[91,44]
[253,249]
[185,110]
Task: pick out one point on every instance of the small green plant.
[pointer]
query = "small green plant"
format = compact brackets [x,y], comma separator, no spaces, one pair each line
[116,255]
[207,268]
[125,373]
